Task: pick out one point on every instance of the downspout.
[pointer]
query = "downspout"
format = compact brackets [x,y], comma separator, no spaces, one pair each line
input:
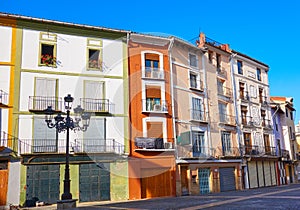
[206,98]
[235,103]
[128,85]
[172,95]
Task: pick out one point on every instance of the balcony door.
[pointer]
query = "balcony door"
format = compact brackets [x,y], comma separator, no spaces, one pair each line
[155,131]
[226,143]
[44,138]
[45,93]
[94,96]
[247,143]
[199,148]
[197,109]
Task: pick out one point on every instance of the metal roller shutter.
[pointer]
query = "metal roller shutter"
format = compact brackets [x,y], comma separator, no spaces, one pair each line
[260,172]
[252,173]
[273,173]
[267,173]
[227,179]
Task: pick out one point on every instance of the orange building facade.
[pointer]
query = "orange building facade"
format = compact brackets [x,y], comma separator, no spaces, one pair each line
[151,157]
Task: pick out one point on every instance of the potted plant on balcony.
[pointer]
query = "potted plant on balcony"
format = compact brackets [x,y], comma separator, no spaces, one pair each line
[48,59]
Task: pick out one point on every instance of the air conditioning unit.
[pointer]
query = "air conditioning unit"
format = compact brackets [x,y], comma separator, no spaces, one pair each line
[157,107]
[168,145]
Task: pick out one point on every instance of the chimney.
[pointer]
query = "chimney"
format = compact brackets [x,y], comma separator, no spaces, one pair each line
[225,47]
[200,43]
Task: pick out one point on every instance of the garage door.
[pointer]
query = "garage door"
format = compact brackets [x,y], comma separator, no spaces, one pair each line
[252,174]
[94,182]
[42,184]
[227,179]
[156,183]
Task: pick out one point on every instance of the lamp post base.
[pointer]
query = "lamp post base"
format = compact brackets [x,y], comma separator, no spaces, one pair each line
[66,204]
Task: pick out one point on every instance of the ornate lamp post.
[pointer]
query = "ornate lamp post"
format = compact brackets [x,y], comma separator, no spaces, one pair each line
[65,124]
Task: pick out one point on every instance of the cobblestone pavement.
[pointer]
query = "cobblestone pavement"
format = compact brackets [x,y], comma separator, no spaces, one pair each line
[279,197]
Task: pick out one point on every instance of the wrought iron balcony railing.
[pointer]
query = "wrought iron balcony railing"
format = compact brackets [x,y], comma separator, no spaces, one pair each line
[3,98]
[9,141]
[153,73]
[227,119]
[244,96]
[40,103]
[198,115]
[155,105]
[224,91]
[153,143]
[58,146]
[227,151]
[266,124]
[222,72]
[254,150]
[95,105]
[194,151]
[248,121]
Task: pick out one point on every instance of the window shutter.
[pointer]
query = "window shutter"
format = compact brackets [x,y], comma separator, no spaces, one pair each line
[155,129]
[154,57]
[184,138]
[94,90]
[153,92]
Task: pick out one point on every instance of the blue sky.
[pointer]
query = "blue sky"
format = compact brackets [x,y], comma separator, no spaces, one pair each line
[268,31]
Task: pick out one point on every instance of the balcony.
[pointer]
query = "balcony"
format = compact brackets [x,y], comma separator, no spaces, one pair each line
[248,121]
[227,119]
[153,144]
[9,141]
[77,146]
[95,105]
[244,96]
[266,124]
[263,100]
[222,72]
[153,73]
[194,151]
[254,150]
[38,104]
[3,99]
[155,105]
[224,91]
[198,115]
[227,152]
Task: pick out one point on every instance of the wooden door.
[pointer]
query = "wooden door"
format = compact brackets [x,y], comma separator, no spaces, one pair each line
[3,186]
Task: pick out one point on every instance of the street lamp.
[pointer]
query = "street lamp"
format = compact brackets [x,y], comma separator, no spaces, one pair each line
[61,124]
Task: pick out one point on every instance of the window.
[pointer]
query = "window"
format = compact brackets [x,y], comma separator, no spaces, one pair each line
[47,55]
[193,60]
[286,112]
[244,111]
[291,133]
[243,93]
[267,143]
[240,67]
[195,82]
[197,109]
[291,114]
[223,112]
[226,143]
[198,143]
[218,62]
[210,56]
[276,124]
[94,54]
[247,143]
[260,95]
[263,117]
[153,98]
[258,74]
[220,84]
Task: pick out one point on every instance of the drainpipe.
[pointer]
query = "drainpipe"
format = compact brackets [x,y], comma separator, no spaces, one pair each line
[172,95]
[235,102]
[206,97]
